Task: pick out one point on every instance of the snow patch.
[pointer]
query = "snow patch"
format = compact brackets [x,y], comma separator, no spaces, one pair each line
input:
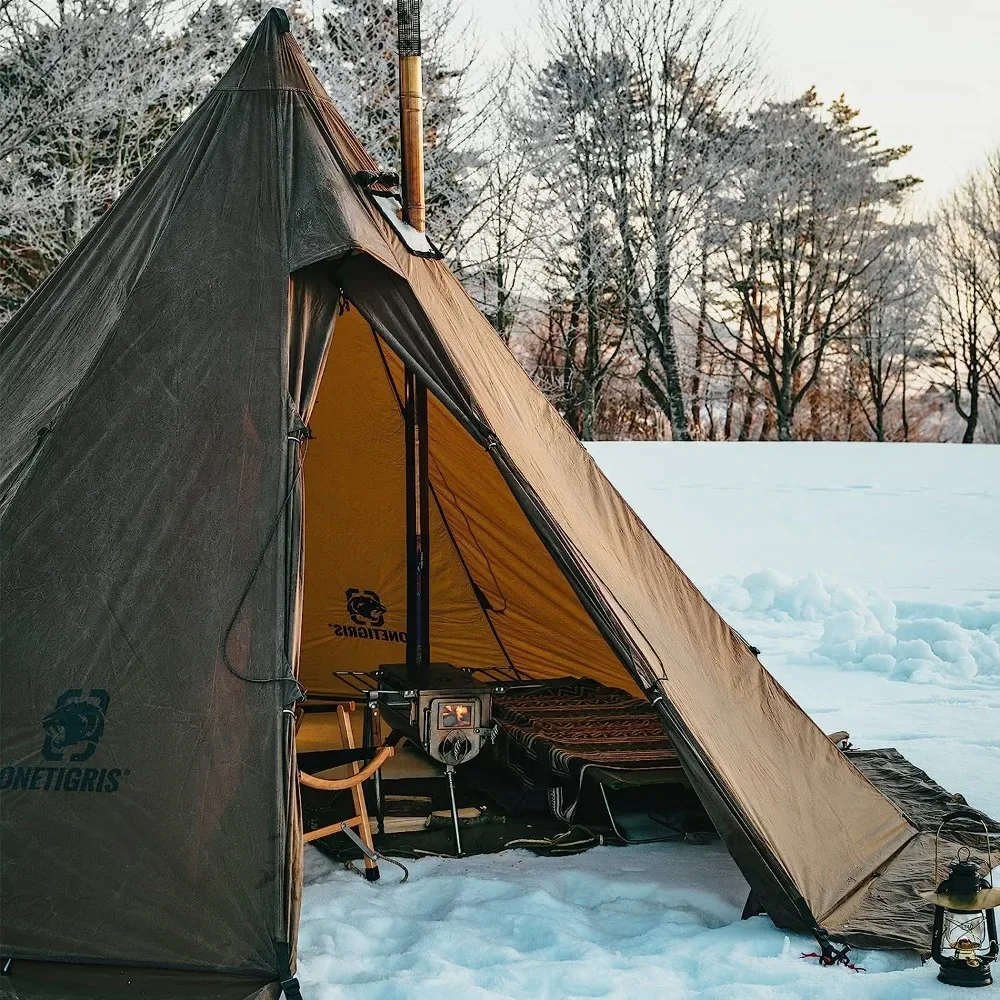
[658,920]
[863,629]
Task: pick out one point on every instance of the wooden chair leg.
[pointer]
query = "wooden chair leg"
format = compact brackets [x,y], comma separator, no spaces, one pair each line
[358,794]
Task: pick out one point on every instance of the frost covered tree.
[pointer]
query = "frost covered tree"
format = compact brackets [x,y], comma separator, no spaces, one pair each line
[88,93]
[802,230]
[572,100]
[966,327]
[693,74]
[887,343]
[503,231]
[631,117]
[90,90]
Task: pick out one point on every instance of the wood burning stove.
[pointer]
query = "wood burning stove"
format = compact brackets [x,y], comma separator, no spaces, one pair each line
[443,709]
[448,715]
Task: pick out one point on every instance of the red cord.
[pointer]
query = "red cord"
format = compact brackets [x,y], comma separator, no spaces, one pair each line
[834,958]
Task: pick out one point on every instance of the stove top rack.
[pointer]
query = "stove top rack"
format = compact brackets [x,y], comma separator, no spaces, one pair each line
[362,683]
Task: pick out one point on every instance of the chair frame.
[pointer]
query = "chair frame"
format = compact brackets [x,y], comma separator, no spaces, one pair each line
[354,782]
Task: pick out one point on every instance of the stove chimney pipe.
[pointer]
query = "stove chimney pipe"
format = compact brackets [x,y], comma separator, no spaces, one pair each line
[411,112]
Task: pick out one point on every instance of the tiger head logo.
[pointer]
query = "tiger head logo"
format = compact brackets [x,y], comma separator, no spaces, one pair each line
[365,608]
[76,725]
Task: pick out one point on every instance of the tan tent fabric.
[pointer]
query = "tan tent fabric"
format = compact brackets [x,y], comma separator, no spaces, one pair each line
[541,624]
[174,550]
[766,749]
[355,538]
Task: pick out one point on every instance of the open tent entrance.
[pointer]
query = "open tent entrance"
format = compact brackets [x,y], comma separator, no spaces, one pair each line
[166,584]
[497,597]
[498,601]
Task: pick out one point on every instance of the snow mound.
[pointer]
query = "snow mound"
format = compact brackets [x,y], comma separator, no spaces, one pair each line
[862,629]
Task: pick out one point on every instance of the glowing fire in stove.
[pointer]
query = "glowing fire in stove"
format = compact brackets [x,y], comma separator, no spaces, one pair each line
[455,715]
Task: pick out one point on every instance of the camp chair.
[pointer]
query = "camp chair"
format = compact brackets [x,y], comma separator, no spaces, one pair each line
[352,755]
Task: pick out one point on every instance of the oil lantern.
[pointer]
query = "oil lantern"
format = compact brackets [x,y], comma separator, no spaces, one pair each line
[964,938]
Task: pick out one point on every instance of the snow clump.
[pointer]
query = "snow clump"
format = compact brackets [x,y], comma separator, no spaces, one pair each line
[863,629]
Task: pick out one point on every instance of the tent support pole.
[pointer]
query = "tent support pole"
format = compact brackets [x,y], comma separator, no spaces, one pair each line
[417,534]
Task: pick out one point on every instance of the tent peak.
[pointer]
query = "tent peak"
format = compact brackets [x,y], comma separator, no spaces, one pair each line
[280,18]
[272,60]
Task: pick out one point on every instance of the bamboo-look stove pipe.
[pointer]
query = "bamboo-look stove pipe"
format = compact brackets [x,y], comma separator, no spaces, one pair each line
[411,112]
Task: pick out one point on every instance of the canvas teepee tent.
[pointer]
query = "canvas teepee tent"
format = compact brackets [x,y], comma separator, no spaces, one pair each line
[168,566]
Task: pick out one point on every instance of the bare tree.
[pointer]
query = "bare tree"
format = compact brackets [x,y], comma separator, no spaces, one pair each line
[504,230]
[967,304]
[692,74]
[352,47]
[637,96]
[571,100]
[887,338]
[802,226]
[88,93]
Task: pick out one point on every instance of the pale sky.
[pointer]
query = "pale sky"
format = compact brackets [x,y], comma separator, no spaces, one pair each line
[924,73]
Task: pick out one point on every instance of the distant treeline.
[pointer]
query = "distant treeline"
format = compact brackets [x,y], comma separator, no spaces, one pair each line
[669,251]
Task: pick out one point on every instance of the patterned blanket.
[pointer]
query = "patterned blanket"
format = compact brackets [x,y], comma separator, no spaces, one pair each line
[549,736]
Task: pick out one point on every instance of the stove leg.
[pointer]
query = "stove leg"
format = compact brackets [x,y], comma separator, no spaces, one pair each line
[450,775]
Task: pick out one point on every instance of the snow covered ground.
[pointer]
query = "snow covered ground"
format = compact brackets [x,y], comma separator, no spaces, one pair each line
[869,576]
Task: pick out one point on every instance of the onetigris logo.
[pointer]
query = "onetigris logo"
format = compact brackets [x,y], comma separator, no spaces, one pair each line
[75,725]
[365,608]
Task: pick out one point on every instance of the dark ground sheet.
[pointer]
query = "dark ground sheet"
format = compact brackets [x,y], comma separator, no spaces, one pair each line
[69,981]
[512,813]
[920,797]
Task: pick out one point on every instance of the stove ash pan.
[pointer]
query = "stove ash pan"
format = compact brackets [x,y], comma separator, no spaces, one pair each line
[450,718]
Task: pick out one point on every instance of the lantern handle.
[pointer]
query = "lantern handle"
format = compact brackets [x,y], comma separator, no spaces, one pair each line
[964,814]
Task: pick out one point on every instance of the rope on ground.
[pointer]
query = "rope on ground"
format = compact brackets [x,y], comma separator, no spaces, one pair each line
[560,841]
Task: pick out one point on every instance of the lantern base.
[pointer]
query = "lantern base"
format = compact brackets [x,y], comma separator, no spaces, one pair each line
[961,974]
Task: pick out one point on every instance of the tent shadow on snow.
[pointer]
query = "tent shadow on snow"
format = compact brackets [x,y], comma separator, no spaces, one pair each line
[167,571]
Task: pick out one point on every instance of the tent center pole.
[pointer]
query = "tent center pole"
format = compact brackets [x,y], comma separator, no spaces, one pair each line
[417,534]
